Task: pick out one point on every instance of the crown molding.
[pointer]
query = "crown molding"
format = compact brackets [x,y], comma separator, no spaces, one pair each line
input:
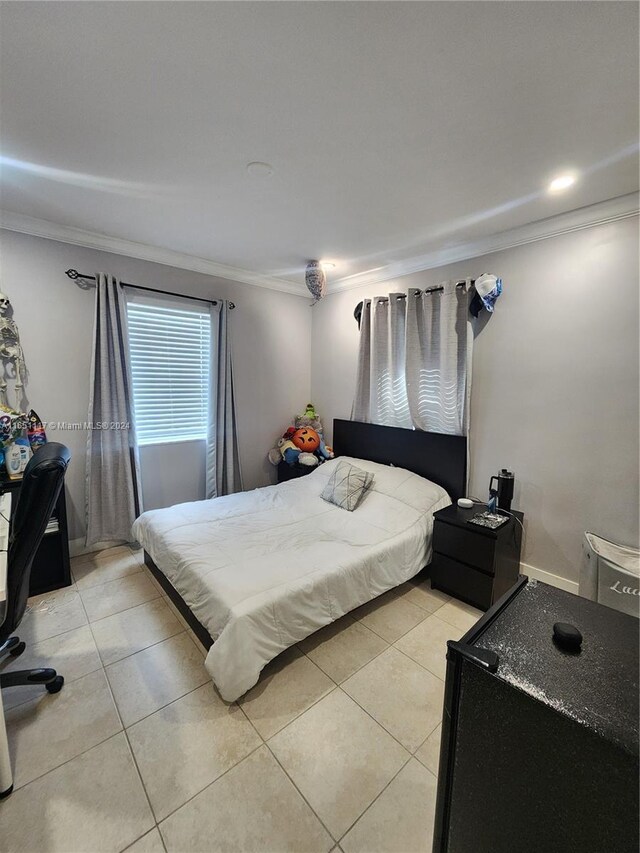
[118,246]
[601,213]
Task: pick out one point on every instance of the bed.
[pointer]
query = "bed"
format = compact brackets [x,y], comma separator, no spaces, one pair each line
[256,572]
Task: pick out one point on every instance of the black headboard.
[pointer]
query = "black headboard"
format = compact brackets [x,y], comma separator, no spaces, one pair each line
[440,458]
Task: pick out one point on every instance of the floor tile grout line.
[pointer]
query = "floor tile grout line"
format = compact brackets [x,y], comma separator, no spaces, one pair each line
[300,713]
[144,787]
[138,571]
[201,649]
[404,633]
[72,681]
[100,669]
[426,668]
[67,761]
[124,609]
[377,722]
[156,827]
[29,610]
[97,561]
[124,730]
[208,785]
[146,716]
[377,797]
[173,701]
[362,666]
[415,604]
[313,811]
[182,630]
[397,597]
[415,754]
[410,755]
[453,625]
[90,555]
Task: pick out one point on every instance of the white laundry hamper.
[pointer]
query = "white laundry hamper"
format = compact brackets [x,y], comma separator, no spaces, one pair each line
[610,574]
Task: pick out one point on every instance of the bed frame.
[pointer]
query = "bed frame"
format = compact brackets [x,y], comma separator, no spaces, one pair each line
[439,458]
[434,456]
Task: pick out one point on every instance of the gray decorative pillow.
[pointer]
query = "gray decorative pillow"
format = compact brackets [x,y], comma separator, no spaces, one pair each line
[347,486]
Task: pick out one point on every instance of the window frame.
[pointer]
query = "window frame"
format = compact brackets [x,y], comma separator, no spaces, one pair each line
[161,423]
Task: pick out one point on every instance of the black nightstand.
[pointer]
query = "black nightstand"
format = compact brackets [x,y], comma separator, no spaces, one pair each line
[291,472]
[472,563]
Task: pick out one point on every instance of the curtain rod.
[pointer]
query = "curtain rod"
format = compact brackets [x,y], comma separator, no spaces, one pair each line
[74,274]
[358,309]
[426,290]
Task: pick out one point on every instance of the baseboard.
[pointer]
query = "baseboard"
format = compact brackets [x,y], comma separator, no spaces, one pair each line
[548,577]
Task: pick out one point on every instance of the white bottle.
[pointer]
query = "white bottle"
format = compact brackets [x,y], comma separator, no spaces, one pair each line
[16,457]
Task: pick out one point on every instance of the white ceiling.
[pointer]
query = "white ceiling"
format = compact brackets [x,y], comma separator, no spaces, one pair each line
[394,129]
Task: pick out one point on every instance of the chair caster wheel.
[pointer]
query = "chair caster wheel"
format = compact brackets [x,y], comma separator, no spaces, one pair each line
[17,650]
[55,686]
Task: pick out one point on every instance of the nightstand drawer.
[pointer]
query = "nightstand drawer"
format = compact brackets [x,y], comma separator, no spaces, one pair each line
[462,581]
[468,546]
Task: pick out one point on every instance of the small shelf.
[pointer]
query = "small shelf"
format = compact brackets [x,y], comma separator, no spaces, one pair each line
[51,567]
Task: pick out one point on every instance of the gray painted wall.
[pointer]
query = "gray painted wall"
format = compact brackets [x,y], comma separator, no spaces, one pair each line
[555,383]
[270,339]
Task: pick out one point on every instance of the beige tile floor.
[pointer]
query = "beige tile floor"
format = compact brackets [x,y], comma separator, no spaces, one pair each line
[338,742]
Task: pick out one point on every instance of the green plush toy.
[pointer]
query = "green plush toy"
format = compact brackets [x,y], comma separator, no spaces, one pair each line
[309,412]
[310,418]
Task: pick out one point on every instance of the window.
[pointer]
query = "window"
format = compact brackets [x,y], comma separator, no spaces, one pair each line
[170,348]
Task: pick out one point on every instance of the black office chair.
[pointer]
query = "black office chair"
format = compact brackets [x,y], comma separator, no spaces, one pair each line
[41,484]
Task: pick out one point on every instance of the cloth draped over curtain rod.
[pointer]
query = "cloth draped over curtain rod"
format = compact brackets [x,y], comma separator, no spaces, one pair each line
[414,360]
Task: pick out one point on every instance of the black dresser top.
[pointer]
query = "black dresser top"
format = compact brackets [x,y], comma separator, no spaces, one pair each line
[459,517]
[597,687]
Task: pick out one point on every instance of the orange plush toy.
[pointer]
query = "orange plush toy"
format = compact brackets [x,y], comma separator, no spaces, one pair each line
[306,439]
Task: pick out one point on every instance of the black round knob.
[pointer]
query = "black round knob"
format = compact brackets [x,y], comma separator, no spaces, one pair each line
[567,637]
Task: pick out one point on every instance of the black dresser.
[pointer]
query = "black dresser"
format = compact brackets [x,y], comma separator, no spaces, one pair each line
[51,567]
[539,746]
[472,563]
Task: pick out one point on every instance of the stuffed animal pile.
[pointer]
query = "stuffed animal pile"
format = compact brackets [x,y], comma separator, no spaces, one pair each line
[303,442]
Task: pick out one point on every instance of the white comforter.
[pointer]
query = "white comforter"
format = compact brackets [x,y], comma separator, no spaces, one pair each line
[261,570]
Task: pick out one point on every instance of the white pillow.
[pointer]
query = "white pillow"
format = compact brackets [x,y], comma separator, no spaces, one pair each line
[347,486]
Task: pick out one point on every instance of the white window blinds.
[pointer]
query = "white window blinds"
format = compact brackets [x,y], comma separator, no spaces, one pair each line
[170,357]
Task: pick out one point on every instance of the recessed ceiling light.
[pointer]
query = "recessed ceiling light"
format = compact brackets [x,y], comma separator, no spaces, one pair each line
[562,182]
[260,170]
[327,265]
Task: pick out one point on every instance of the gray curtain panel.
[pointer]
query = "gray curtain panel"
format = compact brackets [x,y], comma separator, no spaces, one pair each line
[360,411]
[414,361]
[439,345]
[113,492]
[223,462]
[381,391]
